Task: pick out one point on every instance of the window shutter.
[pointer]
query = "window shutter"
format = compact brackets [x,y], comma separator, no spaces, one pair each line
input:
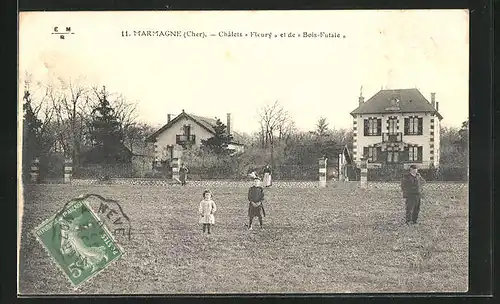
[366,127]
[365,151]
[419,155]
[420,126]
[379,126]
[407,125]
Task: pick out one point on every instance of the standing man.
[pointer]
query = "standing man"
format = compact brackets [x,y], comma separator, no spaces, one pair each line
[183,171]
[255,207]
[411,186]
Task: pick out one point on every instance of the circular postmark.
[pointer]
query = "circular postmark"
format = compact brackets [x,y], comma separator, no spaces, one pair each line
[109,213]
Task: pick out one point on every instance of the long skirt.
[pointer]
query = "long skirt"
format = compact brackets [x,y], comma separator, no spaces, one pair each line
[182,177]
[267,180]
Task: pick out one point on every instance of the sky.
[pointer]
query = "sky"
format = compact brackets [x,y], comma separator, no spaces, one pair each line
[212,76]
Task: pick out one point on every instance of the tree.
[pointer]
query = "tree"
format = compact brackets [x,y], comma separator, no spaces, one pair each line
[125,113]
[463,134]
[454,146]
[106,133]
[71,103]
[134,136]
[220,141]
[38,136]
[272,118]
[322,127]
[31,129]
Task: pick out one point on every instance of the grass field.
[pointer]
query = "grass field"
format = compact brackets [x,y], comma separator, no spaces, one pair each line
[314,240]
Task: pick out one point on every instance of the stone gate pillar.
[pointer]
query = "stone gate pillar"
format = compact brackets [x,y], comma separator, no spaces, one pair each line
[364,173]
[35,171]
[322,171]
[341,168]
[176,163]
[68,170]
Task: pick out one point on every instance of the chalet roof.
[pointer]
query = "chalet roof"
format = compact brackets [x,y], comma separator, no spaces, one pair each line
[205,122]
[396,101]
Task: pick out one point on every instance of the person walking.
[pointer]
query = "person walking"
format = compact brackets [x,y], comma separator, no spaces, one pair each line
[183,171]
[255,207]
[411,186]
[206,210]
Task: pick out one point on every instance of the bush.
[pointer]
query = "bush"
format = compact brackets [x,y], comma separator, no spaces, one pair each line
[387,174]
[51,166]
[203,164]
[108,170]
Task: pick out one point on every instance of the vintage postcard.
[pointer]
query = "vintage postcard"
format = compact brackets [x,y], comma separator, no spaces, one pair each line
[255,152]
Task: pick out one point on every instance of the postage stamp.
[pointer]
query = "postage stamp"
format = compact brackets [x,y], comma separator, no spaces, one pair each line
[78,242]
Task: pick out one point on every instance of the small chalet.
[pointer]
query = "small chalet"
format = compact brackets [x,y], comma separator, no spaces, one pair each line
[397,127]
[186,130]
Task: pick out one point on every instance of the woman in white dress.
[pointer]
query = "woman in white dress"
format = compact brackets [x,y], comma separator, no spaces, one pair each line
[267,176]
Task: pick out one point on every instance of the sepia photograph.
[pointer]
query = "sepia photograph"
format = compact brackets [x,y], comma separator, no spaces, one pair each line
[243,152]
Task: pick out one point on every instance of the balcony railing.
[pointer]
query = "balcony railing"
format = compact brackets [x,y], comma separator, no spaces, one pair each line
[396,137]
[185,139]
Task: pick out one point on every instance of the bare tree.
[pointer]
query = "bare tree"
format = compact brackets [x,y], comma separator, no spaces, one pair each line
[125,111]
[272,118]
[70,102]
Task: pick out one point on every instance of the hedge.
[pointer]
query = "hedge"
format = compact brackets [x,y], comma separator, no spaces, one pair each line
[437,174]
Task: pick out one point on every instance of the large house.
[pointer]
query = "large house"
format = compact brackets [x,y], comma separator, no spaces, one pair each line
[397,127]
[188,130]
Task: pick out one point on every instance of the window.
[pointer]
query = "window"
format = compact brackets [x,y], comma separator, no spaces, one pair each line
[413,126]
[371,153]
[414,153]
[187,130]
[392,124]
[373,127]
[392,155]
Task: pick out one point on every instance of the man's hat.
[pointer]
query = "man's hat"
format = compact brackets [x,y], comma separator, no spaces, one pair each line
[413,167]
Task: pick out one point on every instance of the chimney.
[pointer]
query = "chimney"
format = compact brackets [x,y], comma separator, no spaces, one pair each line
[168,118]
[228,123]
[437,106]
[433,99]
[361,99]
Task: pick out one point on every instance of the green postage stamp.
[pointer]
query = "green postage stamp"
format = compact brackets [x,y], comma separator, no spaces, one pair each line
[78,242]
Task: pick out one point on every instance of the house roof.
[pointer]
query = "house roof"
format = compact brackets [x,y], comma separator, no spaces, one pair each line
[205,122]
[398,101]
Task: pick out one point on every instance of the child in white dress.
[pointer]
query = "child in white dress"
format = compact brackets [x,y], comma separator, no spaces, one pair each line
[207,210]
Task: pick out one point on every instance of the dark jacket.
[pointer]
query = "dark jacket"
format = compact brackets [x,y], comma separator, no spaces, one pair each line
[255,194]
[411,185]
